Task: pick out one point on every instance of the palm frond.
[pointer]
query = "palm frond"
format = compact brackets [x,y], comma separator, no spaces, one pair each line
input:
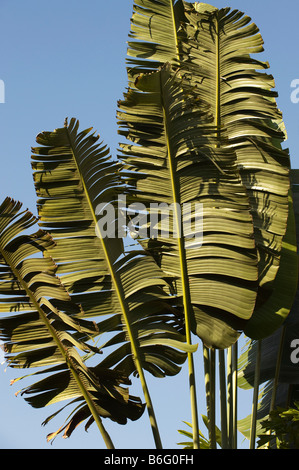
[44,326]
[174,160]
[74,176]
[214,49]
[95,269]
[242,98]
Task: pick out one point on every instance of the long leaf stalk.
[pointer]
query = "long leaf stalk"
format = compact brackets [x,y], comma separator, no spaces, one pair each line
[213,443]
[62,349]
[206,362]
[232,369]
[255,396]
[277,369]
[223,402]
[210,375]
[193,400]
[277,373]
[235,394]
[229,397]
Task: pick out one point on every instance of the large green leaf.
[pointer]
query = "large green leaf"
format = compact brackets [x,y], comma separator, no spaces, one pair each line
[43,328]
[213,49]
[241,96]
[175,160]
[73,175]
[126,293]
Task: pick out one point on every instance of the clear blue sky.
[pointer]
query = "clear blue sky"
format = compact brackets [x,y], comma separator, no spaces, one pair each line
[60,59]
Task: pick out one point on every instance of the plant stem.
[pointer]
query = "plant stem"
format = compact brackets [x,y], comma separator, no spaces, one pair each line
[223,405]
[232,387]
[277,373]
[213,443]
[194,411]
[277,369]
[206,361]
[209,368]
[235,394]
[255,396]
[229,397]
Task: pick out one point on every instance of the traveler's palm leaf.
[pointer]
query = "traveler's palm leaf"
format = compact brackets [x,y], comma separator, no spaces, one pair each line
[213,48]
[44,327]
[73,175]
[243,103]
[177,160]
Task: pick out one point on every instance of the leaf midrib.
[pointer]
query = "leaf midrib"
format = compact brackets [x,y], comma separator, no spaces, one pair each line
[218,81]
[176,40]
